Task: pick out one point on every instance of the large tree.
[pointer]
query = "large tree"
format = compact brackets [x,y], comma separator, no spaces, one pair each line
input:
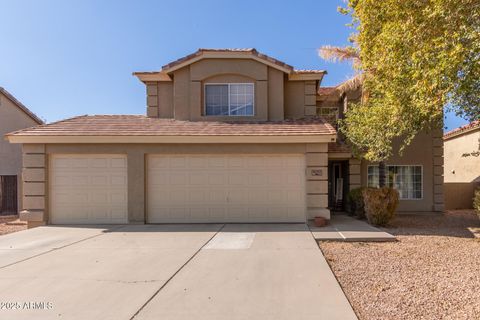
[416,57]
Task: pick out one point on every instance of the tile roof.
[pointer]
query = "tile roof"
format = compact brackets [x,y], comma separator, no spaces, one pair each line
[138,125]
[21,106]
[309,71]
[468,127]
[335,92]
[325,91]
[247,50]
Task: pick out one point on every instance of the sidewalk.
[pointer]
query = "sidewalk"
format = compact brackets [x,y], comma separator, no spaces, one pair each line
[342,227]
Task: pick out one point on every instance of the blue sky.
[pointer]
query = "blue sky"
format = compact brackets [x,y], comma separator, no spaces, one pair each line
[65,58]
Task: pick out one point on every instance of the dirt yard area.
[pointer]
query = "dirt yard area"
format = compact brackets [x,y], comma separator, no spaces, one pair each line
[8,224]
[432,272]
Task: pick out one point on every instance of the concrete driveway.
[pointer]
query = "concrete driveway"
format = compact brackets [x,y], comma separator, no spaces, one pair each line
[168,272]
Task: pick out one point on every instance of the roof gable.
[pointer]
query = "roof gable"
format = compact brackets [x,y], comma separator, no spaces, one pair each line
[250,53]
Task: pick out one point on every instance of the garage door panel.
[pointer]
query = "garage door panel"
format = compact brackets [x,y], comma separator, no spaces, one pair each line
[99,163]
[294,180]
[216,178]
[294,212]
[197,197]
[118,181]
[277,213]
[197,162]
[225,188]
[217,214]
[120,163]
[88,189]
[235,162]
[79,163]
[178,178]
[216,162]
[257,179]
[275,196]
[178,162]
[237,179]
[217,196]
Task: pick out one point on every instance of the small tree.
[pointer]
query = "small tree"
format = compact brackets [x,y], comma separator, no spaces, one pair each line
[416,58]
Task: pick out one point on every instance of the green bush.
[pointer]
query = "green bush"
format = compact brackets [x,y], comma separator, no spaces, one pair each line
[380,205]
[356,205]
[476,201]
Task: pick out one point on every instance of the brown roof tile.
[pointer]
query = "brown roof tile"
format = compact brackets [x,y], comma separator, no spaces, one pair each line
[471,126]
[309,71]
[248,50]
[339,147]
[325,91]
[138,125]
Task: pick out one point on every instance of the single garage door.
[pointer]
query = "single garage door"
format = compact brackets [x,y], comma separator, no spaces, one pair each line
[88,189]
[225,188]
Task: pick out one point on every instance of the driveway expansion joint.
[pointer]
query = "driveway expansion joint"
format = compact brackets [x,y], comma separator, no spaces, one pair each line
[176,272]
[61,247]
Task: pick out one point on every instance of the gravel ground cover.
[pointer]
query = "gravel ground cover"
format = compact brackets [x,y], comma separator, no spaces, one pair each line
[432,272]
[7,228]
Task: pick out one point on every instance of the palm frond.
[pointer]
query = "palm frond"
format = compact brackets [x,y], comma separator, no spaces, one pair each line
[352,84]
[340,54]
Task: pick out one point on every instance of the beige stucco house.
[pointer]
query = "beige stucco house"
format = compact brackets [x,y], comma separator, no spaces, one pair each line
[462,173]
[230,135]
[13,116]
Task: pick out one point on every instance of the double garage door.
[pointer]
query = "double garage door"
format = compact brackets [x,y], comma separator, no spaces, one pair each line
[180,188]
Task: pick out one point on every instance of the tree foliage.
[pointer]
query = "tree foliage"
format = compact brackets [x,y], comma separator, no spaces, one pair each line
[417,57]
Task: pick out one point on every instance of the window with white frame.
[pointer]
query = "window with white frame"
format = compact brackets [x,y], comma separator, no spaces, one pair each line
[406,179]
[229,99]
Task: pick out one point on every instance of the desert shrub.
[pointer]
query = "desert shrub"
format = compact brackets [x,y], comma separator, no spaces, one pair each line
[355,203]
[380,204]
[476,201]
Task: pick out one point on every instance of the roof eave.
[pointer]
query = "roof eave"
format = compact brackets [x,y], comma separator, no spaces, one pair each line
[152,76]
[451,135]
[306,76]
[47,139]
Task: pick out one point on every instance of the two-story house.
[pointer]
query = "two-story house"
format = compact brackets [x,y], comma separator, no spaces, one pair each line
[13,116]
[230,135]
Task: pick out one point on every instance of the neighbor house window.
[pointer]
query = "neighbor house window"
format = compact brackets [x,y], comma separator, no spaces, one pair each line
[229,99]
[406,179]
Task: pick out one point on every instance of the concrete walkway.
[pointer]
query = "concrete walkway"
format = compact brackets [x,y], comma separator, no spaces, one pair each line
[169,272]
[345,228]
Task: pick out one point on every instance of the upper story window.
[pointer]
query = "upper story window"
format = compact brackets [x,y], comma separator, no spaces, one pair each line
[229,99]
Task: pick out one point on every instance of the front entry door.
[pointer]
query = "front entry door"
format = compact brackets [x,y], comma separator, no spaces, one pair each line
[338,184]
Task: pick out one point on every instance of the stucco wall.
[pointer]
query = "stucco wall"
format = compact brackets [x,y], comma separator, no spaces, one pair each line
[315,157]
[294,99]
[425,150]
[462,174]
[462,169]
[12,118]
[276,97]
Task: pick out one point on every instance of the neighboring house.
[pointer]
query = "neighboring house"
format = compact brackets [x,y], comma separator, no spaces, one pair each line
[462,173]
[230,135]
[13,116]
